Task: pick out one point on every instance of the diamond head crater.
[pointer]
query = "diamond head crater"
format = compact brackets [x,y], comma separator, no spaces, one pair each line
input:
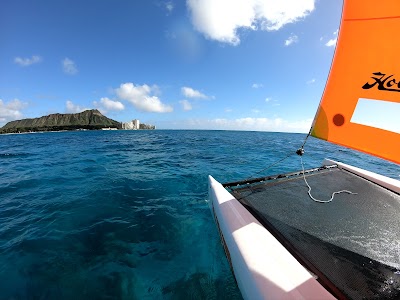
[87,120]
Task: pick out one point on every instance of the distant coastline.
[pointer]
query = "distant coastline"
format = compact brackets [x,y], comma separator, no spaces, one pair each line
[86,120]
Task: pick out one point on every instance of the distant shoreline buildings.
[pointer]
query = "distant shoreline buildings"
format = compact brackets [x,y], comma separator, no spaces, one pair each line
[132,125]
[136,125]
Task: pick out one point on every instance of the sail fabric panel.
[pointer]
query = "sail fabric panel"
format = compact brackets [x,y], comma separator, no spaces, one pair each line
[365,65]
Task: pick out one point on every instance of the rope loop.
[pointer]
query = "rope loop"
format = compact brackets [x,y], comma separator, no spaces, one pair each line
[318,200]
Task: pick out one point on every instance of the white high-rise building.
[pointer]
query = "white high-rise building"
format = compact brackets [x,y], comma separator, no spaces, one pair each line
[136,124]
[132,125]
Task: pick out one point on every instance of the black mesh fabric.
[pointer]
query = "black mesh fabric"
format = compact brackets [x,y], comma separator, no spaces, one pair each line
[351,244]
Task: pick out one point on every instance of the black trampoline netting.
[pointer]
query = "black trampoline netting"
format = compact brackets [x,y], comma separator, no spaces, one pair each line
[352,244]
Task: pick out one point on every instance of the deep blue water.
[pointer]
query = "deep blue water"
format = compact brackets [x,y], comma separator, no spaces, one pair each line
[124,214]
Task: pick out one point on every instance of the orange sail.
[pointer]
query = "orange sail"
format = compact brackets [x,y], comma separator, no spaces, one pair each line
[365,69]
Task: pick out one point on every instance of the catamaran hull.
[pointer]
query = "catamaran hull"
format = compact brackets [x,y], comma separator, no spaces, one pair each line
[263,268]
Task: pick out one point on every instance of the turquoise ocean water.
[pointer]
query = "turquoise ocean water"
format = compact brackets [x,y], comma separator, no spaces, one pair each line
[124,214]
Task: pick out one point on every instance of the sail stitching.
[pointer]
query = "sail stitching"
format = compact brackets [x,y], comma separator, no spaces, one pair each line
[372,19]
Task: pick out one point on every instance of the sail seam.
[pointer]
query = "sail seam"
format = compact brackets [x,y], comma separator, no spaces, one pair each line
[373,19]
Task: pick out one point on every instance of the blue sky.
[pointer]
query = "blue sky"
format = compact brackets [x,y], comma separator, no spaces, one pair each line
[194,64]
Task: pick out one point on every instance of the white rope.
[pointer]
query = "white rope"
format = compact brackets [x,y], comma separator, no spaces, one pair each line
[309,188]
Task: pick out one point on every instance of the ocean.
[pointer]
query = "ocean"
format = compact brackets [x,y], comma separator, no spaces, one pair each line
[124,214]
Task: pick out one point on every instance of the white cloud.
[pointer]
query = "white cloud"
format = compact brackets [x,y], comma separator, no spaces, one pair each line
[257,85]
[253,124]
[142,97]
[332,41]
[291,39]
[255,111]
[191,93]
[11,110]
[69,66]
[311,81]
[186,105]
[267,99]
[24,62]
[107,104]
[221,20]
[72,108]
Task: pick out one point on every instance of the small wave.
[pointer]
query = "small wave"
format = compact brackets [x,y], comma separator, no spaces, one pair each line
[12,155]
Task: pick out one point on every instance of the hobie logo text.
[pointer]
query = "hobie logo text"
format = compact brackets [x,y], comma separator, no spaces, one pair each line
[383,82]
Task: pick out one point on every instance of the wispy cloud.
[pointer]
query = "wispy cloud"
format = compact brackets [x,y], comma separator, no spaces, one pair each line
[192,93]
[142,97]
[169,6]
[24,62]
[291,40]
[311,81]
[69,66]
[10,111]
[273,102]
[221,20]
[186,105]
[257,85]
